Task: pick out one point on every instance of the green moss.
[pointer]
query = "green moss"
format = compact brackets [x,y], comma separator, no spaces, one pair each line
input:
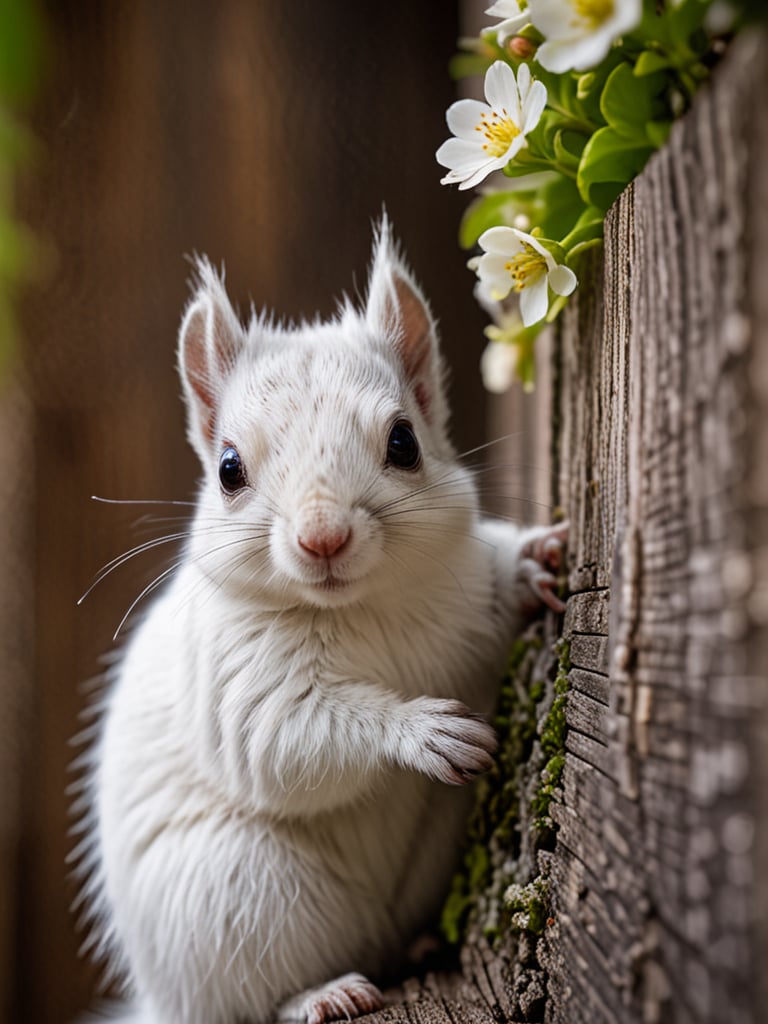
[497,804]
[553,730]
[529,905]
[527,740]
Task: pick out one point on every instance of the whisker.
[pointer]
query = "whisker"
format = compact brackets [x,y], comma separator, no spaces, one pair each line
[437,561]
[145,592]
[141,501]
[115,563]
[166,572]
[248,539]
[403,564]
[415,492]
[489,444]
[119,560]
[432,528]
[254,553]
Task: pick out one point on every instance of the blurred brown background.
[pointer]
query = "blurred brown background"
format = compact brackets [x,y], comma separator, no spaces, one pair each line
[267,136]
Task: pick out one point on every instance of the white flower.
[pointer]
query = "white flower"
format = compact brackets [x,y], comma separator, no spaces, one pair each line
[579,33]
[497,366]
[515,16]
[489,135]
[515,260]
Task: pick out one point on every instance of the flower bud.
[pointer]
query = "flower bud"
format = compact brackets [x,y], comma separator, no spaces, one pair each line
[521,48]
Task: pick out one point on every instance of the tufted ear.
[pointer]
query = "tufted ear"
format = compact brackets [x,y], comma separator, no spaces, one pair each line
[210,339]
[397,309]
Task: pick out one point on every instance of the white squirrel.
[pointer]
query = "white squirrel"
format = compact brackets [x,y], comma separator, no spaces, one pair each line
[269,803]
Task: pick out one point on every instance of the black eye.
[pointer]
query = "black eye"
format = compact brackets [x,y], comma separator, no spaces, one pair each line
[402,446]
[231,470]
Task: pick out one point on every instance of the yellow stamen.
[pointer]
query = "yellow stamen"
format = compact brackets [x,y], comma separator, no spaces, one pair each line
[526,267]
[500,131]
[593,12]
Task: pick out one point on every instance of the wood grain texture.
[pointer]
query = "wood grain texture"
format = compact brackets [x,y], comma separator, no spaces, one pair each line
[657,867]
[658,880]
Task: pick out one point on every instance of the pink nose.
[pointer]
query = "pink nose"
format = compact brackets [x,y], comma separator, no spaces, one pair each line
[324,545]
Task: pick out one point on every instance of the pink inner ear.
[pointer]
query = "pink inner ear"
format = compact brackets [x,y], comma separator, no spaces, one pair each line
[197,372]
[415,342]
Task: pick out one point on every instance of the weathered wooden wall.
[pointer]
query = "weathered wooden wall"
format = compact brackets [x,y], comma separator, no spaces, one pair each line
[658,876]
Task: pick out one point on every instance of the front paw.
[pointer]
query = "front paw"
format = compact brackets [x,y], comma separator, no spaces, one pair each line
[347,997]
[542,556]
[451,743]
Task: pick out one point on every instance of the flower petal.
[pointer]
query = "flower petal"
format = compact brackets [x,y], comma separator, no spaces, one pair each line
[495,279]
[523,83]
[562,280]
[519,142]
[501,90]
[534,301]
[504,9]
[573,41]
[573,54]
[463,117]
[502,240]
[525,239]
[534,107]
[479,174]
[497,366]
[556,19]
[627,15]
[458,153]
[510,27]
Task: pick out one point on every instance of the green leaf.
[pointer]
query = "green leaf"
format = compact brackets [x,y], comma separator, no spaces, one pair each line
[685,20]
[675,28]
[588,227]
[628,103]
[561,207]
[649,62]
[586,84]
[583,247]
[657,132]
[589,85]
[541,139]
[517,169]
[609,162]
[568,147]
[551,244]
[495,209]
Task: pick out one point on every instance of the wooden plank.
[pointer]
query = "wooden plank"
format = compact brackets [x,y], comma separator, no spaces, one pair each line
[652,470]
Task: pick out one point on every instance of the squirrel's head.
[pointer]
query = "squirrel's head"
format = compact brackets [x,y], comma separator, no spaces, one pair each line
[328,474]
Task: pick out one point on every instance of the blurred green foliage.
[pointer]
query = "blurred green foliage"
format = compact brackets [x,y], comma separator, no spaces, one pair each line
[22,48]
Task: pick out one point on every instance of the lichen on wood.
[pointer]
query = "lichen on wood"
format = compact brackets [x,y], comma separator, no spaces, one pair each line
[510,821]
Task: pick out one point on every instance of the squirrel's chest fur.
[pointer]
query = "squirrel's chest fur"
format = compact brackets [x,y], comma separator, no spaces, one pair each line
[189,778]
[208,686]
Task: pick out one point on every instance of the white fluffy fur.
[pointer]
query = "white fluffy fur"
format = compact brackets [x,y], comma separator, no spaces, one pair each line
[269,798]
